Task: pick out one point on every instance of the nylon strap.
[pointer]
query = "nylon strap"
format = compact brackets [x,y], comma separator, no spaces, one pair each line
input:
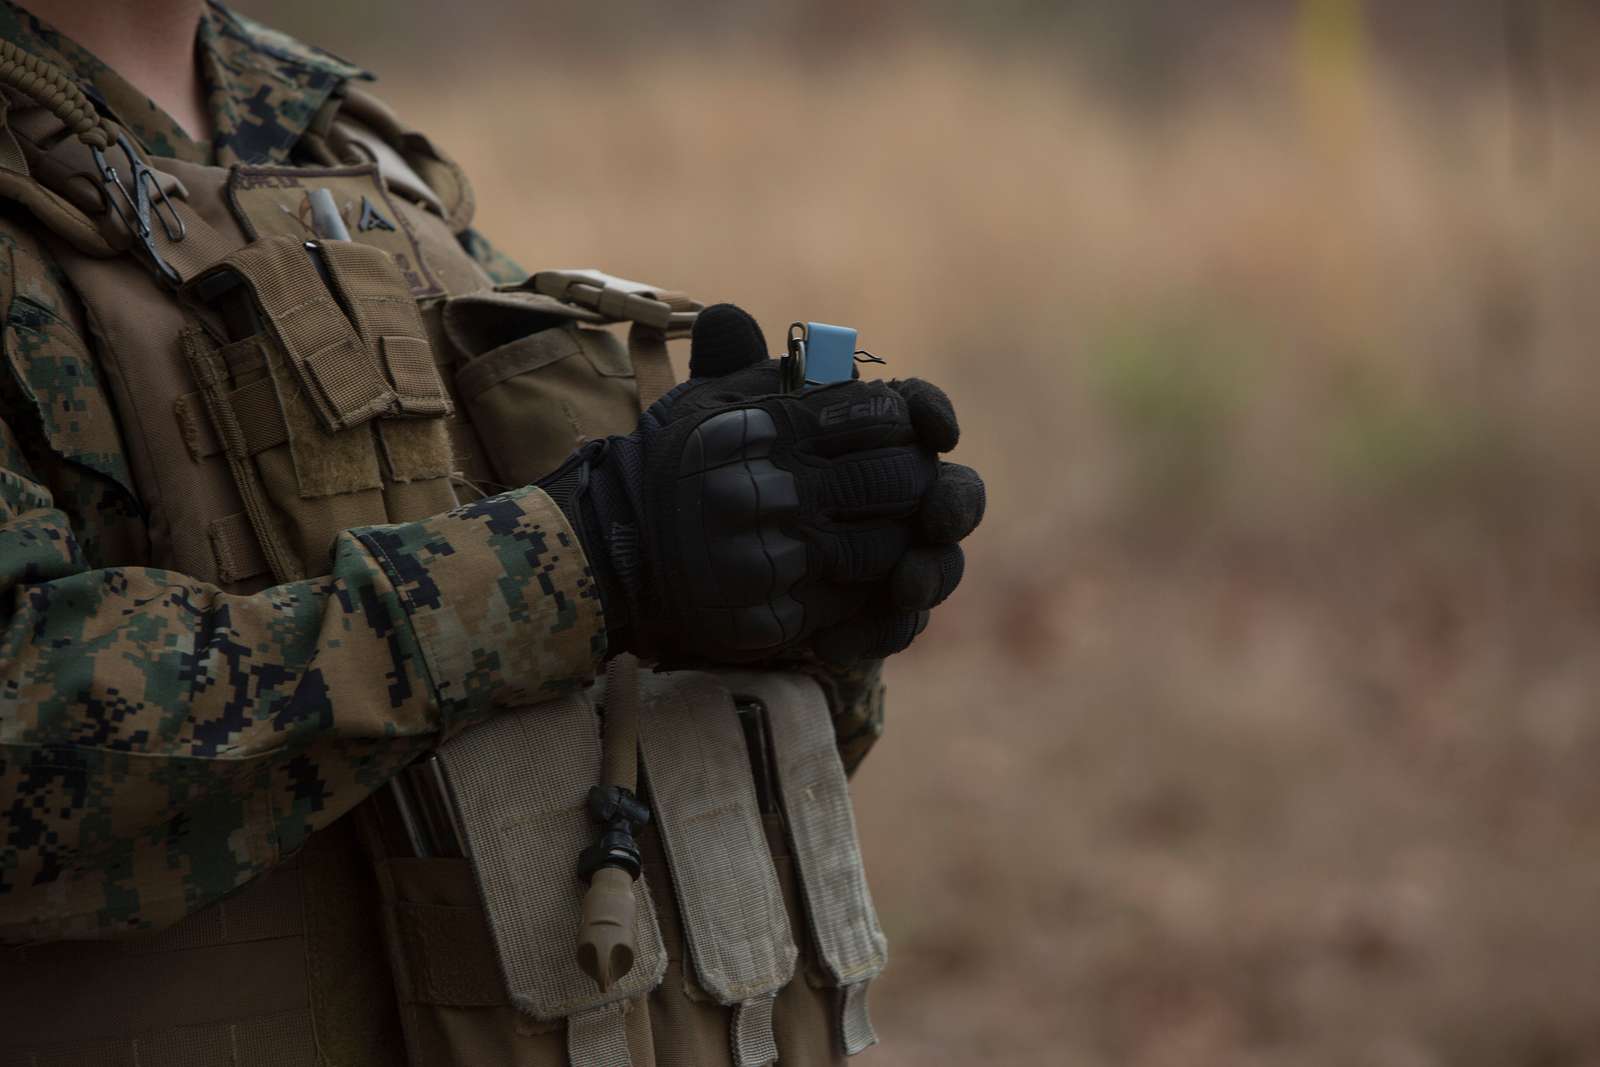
[260,415]
[754,1044]
[599,1038]
[652,366]
[201,246]
[520,783]
[256,409]
[209,365]
[729,900]
[822,831]
[374,293]
[237,550]
[856,1024]
[11,157]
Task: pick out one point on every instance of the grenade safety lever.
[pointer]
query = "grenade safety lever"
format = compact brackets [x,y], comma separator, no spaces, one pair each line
[819,353]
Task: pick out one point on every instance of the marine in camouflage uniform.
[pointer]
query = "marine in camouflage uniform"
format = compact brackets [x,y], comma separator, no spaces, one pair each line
[128,692]
[88,772]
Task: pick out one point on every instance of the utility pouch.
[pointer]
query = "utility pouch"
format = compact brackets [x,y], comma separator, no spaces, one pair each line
[454,1008]
[580,378]
[755,867]
[738,951]
[538,347]
[755,934]
[483,948]
[327,404]
[821,831]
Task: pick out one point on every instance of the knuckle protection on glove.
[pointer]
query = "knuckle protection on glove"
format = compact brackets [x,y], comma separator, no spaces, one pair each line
[735,566]
[860,554]
[954,507]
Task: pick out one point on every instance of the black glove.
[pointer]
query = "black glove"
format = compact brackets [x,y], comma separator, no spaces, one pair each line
[738,522]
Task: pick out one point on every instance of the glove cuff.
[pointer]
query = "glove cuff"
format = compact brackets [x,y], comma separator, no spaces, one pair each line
[609,545]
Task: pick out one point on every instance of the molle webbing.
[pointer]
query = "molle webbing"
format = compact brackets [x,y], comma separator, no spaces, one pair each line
[260,929]
[228,986]
[341,346]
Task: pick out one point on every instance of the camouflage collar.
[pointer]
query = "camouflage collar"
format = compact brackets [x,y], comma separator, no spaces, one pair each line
[264,87]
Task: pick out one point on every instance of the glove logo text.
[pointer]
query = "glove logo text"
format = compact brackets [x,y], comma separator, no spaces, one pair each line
[876,407]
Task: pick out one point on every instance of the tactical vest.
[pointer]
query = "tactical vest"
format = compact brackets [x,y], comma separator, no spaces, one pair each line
[276,387]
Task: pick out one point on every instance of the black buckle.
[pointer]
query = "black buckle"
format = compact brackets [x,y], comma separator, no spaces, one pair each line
[621,815]
[141,205]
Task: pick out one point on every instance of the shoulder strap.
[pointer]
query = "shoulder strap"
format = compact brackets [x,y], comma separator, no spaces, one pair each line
[42,87]
[19,183]
[409,162]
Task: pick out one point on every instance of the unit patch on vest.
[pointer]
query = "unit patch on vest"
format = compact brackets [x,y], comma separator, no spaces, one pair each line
[370,219]
[276,200]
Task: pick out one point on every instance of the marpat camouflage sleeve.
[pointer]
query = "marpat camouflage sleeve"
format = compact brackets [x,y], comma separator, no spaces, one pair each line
[501,268]
[162,742]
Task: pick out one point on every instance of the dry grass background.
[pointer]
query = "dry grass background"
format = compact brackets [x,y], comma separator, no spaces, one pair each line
[1263,731]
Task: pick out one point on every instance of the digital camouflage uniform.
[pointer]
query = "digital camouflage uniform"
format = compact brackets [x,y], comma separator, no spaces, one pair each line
[163,743]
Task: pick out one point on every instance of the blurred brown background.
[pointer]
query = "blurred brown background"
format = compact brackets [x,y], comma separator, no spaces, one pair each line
[1264,729]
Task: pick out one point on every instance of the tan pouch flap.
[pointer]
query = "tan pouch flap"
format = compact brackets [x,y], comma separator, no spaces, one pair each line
[481,322]
[704,801]
[822,831]
[520,784]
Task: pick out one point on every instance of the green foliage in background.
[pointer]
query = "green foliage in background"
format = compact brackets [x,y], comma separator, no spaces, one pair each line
[1384,444]
[1172,388]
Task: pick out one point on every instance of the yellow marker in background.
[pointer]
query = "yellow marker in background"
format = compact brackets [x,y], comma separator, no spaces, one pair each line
[1333,63]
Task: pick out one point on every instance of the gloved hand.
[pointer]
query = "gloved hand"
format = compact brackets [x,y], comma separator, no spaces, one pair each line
[738,522]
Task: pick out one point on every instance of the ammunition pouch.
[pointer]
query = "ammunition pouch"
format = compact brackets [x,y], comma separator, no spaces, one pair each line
[330,411]
[539,346]
[751,854]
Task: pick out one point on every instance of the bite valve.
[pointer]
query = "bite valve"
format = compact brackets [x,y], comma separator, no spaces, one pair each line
[606,941]
[606,944]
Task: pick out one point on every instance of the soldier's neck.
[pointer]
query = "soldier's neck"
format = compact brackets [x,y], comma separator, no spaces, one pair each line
[151,43]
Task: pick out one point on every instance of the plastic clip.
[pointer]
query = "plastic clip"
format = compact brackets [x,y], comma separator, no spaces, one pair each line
[620,815]
[141,205]
[792,368]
